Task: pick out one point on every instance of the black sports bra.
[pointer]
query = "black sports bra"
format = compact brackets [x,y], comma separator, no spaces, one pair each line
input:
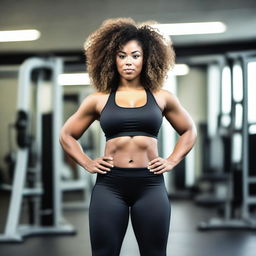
[119,121]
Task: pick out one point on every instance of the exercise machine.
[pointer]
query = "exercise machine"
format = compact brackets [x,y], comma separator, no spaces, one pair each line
[37,172]
[215,141]
[240,201]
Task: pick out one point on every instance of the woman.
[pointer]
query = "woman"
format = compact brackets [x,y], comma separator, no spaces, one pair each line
[127,64]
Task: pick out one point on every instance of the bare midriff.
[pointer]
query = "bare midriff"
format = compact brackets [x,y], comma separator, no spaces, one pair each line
[132,151]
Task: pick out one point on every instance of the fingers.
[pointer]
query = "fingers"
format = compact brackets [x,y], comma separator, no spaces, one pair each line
[154,161]
[102,164]
[153,164]
[159,170]
[160,165]
[99,171]
[107,157]
[157,165]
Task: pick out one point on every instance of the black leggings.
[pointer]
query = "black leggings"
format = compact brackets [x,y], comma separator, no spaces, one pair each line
[112,195]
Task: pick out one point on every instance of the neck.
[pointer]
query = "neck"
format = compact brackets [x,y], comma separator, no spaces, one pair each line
[130,84]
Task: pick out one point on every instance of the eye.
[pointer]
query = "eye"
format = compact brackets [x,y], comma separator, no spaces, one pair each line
[136,56]
[121,56]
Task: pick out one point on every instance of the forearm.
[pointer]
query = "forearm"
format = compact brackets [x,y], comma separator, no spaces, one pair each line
[183,146]
[73,148]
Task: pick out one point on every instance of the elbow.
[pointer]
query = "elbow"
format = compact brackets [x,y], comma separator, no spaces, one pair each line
[66,139]
[62,137]
[61,140]
[193,133]
[190,131]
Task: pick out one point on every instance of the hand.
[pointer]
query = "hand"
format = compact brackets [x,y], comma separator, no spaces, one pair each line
[99,165]
[160,165]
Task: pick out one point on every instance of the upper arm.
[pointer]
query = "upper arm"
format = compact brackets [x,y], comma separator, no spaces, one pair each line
[177,116]
[85,115]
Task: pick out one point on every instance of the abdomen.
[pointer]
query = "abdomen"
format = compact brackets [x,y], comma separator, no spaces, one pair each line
[134,151]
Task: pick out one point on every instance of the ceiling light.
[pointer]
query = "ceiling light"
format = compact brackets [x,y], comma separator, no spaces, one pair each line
[74,79]
[191,28]
[19,35]
[180,70]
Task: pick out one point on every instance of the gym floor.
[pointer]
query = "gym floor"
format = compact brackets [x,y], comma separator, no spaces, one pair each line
[184,238]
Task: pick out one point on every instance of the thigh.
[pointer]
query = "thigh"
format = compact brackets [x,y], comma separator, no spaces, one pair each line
[150,217]
[108,220]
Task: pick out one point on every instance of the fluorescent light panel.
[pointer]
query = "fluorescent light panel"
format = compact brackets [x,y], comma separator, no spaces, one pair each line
[74,79]
[19,35]
[191,28]
[180,70]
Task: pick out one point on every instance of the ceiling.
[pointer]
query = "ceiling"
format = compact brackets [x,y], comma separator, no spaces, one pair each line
[64,25]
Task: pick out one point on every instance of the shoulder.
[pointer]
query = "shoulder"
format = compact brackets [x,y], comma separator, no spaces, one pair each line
[95,102]
[167,98]
[166,93]
[94,97]
[90,102]
[163,93]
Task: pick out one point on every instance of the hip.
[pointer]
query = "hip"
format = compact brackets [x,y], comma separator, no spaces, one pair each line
[123,177]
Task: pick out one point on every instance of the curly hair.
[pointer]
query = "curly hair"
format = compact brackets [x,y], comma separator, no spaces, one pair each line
[102,45]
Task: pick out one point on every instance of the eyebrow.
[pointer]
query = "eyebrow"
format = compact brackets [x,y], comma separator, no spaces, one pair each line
[132,52]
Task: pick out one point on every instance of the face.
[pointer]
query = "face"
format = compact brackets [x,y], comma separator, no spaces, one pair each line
[129,60]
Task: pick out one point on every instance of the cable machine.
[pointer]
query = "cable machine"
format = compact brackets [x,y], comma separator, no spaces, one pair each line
[241,197]
[37,180]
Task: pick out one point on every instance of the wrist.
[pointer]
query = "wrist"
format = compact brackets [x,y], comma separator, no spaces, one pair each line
[173,161]
[86,162]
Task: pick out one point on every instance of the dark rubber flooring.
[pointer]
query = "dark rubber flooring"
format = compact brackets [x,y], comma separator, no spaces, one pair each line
[184,238]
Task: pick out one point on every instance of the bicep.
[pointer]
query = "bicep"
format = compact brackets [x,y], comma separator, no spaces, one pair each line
[176,114]
[78,123]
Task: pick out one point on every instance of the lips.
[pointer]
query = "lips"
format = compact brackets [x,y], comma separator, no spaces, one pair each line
[128,70]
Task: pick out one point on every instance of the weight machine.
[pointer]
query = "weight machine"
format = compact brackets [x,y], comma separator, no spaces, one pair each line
[235,125]
[37,176]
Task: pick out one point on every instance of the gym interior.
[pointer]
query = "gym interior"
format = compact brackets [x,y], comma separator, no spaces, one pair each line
[44,195]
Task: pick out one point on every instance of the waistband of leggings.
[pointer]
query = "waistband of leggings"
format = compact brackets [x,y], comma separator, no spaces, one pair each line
[131,172]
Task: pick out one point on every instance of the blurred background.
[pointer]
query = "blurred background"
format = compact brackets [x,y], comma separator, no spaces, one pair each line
[44,195]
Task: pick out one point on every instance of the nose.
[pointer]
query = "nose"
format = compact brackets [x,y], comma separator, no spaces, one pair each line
[128,61]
